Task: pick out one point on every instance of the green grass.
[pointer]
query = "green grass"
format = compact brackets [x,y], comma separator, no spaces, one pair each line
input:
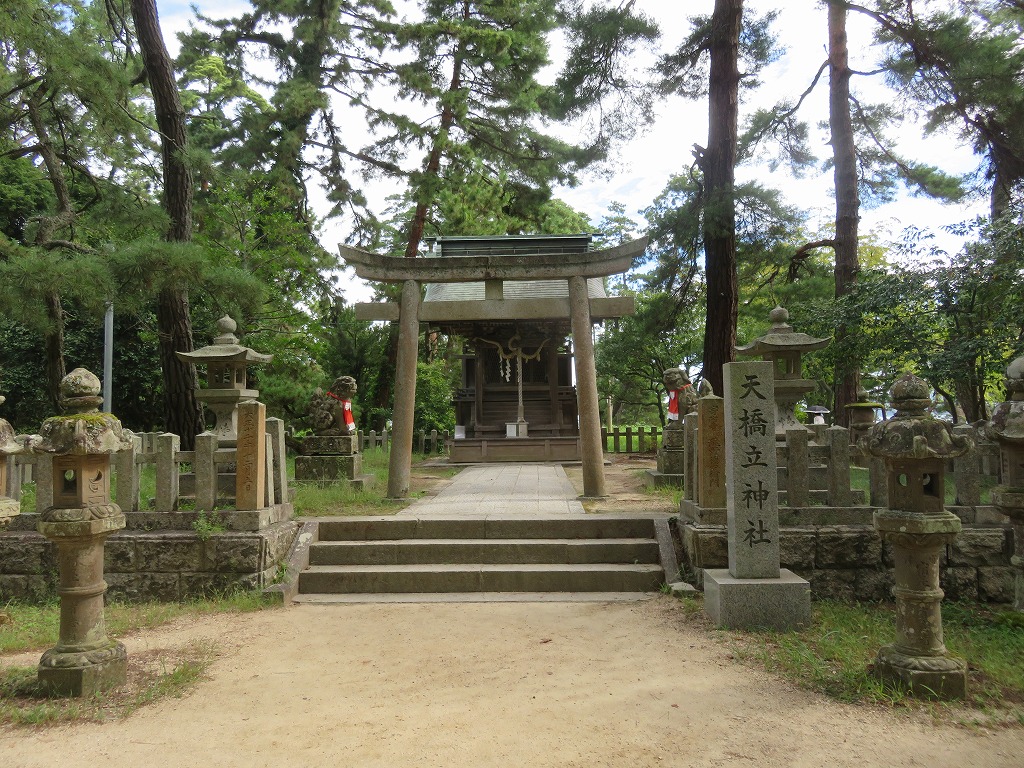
[834,656]
[319,499]
[35,627]
[152,675]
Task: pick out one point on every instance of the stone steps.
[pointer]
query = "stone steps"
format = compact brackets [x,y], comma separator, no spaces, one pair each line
[484,551]
[563,555]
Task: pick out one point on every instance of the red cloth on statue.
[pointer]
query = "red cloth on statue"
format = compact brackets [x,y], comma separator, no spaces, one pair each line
[350,423]
[673,404]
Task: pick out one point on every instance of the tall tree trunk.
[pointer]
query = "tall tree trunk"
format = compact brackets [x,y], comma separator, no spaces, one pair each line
[718,165]
[847,199]
[432,168]
[182,412]
[64,216]
[54,342]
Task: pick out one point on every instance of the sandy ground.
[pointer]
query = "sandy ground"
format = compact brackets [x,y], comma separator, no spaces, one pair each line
[503,684]
[569,684]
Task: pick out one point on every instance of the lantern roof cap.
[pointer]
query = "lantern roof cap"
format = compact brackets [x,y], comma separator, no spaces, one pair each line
[782,338]
[225,348]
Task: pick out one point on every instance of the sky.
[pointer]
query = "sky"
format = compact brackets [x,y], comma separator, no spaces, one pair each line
[644,165]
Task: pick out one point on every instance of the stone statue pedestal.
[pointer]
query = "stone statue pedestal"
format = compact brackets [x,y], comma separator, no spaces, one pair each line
[331,459]
[671,460]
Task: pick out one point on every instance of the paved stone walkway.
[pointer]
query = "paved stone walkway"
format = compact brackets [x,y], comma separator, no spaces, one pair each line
[505,489]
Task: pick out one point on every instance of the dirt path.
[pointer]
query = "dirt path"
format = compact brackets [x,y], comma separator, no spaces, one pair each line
[572,684]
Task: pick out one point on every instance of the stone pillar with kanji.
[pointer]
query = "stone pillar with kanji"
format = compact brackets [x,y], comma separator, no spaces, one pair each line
[1007,429]
[754,592]
[915,447]
[82,516]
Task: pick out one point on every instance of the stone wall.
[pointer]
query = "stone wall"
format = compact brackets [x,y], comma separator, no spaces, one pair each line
[850,562]
[155,559]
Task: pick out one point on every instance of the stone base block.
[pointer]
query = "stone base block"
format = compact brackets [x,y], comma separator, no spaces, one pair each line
[79,675]
[320,445]
[656,479]
[673,437]
[925,677]
[780,604]
[325,469]
[671,462]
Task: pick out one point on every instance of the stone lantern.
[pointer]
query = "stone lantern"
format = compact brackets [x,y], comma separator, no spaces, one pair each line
[915,446]
[9,508]
[84,660]
[861,415]
[227,365]
[1007,429]
[783,348]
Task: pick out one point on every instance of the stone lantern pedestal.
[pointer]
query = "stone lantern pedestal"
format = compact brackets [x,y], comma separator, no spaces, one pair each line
[84,660]
[915,447]
[1007,429]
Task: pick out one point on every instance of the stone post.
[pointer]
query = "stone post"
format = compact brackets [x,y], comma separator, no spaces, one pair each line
[690,456]
[838,441]
[167,473]
[586,389]
[966,470]
[754,591]
[251,458]
[128,476]
[915,447]
[9,507]
[84,660]
[798,481]
[275,429]
[205,468]
[400,460]
[1007,429]
[711,442]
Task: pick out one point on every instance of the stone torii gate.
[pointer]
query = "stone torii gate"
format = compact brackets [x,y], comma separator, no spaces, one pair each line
[575,268]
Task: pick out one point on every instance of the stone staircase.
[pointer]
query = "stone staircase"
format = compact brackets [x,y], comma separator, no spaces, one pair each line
[363,557]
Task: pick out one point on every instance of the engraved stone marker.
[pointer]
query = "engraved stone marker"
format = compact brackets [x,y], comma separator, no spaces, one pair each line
[250,479]
[754,592]
[752,499]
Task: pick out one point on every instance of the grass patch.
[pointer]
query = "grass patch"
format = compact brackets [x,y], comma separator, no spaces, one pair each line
[152,675]
[835,655]
[320,499]
[35,627]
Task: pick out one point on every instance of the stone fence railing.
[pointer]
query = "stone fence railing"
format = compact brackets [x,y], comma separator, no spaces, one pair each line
[815,469]
[183,478]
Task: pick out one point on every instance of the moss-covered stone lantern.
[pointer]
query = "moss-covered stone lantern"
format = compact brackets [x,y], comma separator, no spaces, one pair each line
[1007,429]
[861,415]
[915,447]
[9,508]
[84,660]
[784,348]
[227,364]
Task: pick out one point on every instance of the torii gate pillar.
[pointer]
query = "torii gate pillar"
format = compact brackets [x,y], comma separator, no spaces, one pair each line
[400,462]
[592,452]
